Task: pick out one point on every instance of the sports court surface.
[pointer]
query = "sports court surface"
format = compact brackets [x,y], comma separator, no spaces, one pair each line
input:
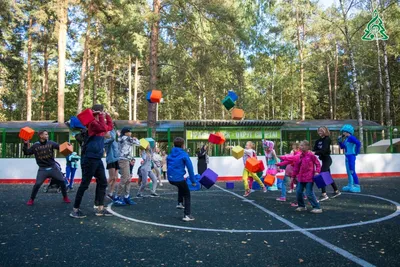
[229,230]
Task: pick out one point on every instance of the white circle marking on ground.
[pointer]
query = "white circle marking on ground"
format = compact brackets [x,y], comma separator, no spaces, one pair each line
[388,217]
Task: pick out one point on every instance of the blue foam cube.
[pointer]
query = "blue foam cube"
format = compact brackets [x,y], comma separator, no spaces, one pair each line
[232,95]
[197,187]
[151,141]
[256,186]
[230,185]
[148,97]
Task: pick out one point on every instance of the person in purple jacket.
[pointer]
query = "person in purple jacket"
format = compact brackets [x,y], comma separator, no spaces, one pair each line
[177,161]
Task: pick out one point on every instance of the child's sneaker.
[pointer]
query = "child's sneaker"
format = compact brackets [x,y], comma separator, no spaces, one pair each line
[160,183]
[188,218]
[301,209]
[323,198]
[129,201]
[247,193]
[290,191]
[180,206]
[66,200]
[265,189]
[30,202]
[252,190]
[119,202]
[77,214]
[139,196]
[294,204]
[336,194]
[111,197]
[316,211]
[304,197]
[273,188]
[282,199]
[154,195]
[103,212]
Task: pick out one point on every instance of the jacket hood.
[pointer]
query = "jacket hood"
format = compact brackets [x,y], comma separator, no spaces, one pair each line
[177,152]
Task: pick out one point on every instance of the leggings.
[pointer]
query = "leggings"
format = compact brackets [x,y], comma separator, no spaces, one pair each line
[351,169]
[145,174]
[246,174]
[43,174]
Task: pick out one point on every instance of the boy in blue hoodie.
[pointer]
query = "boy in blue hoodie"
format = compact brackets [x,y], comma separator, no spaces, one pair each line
[176,163]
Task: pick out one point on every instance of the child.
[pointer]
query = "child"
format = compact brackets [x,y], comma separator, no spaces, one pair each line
[125,144]
[44,155]
[288,161]
[305,168]
[157,159]
[131,165]
[351,147]
[177,161]
[72,165]
[293,181]
[147,172]
[164,165]
[112,157]
[250,153]
[271,159]
[139,173]
[322,148]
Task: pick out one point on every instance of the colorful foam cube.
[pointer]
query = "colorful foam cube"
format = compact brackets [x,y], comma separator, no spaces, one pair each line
[323,179]
[261,166]
[197,187]
[223,139]
[86,117]
[66,149]
[26,133]
[269,180]
[148,95]
[143,143]
[228,102]
[237,114]
[252,164]
[151,185]
[151,141]
[237,152]
[154,96]
[233,95]
[214,139]
[255,186]
[230,185]
[208,178]
[272,171]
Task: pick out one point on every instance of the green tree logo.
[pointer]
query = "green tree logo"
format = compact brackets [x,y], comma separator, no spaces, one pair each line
[375,29]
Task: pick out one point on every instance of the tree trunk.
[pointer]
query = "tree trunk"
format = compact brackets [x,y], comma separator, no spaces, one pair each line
[62,45]
[335,81]
[137,79]
[130,87]
[155,29]
[330,91]
[354,74]
[96,67]
[388,86]
[81,93]
[272,89]
[301,59]
[380,83]
[45,93]
[111,83]
[29,78]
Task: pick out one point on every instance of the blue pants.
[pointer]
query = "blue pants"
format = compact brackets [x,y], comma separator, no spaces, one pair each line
[70,171]
[309,192]
[351,169]
[285,181]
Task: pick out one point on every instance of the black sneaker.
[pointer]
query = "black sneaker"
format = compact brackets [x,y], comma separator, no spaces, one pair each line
[77,214]
[139,196]
[103,212]
[323,198]
[336,194]
[188,218]
[154,195]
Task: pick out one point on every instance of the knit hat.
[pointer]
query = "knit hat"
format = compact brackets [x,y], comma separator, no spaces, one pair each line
[348,129]
[125,130]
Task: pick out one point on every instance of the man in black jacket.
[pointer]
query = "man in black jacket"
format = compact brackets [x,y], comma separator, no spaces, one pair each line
[44,155]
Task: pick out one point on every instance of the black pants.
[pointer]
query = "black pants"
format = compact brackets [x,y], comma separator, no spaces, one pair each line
[326,167]
[92,168]
[183,195]
[43,174]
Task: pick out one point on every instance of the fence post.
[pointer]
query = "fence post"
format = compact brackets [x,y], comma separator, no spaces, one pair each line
[391,138]
[308,135]
[3,144]
[262,133]
[169,140]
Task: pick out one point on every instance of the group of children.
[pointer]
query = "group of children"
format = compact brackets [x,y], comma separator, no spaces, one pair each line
[302,165]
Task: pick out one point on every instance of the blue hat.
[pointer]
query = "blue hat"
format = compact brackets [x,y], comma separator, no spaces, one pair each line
[125,130]
[347,128]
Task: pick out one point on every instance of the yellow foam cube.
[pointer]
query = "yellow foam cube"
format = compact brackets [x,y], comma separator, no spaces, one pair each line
[237,152]
[144,143]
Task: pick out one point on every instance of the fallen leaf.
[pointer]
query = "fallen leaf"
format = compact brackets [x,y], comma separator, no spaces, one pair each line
[244,242]
[301,260]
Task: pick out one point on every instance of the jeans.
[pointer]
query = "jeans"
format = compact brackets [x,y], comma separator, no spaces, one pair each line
[69,171]
[309,192]
[285,182]
[183,195]
[43,174]
[92,168]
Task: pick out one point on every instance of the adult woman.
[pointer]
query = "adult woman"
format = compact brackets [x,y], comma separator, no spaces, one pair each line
[202,159]
[322,148]
[164,164]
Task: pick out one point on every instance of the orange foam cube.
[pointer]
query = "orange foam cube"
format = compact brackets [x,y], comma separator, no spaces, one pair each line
[252,164]
[223,139]
[26,133]
[155,96]
[66,149]
[237,114]
[269,180]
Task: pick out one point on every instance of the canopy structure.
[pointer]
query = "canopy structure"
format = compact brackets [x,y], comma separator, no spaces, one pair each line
[383,146]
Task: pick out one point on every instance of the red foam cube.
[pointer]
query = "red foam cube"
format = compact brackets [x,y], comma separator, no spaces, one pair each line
[86,117]
[155,96]
[223,139]
[214,139]
[252,164]
[261,166]
[26,133]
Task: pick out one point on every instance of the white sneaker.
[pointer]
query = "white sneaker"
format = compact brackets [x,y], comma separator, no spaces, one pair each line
[252,190]
[180,206]
[188,218]
[316,211]
[301,209]
[160,183]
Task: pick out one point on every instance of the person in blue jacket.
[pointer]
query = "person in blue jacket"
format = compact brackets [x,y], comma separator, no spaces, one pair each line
[351,146]
[177,161]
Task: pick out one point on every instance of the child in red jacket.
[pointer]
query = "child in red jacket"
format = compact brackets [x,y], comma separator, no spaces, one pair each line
[305,168]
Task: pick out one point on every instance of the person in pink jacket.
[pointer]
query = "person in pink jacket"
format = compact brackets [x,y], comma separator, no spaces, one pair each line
[305,169]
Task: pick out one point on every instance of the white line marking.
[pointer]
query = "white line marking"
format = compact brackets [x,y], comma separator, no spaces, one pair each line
[338,250]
